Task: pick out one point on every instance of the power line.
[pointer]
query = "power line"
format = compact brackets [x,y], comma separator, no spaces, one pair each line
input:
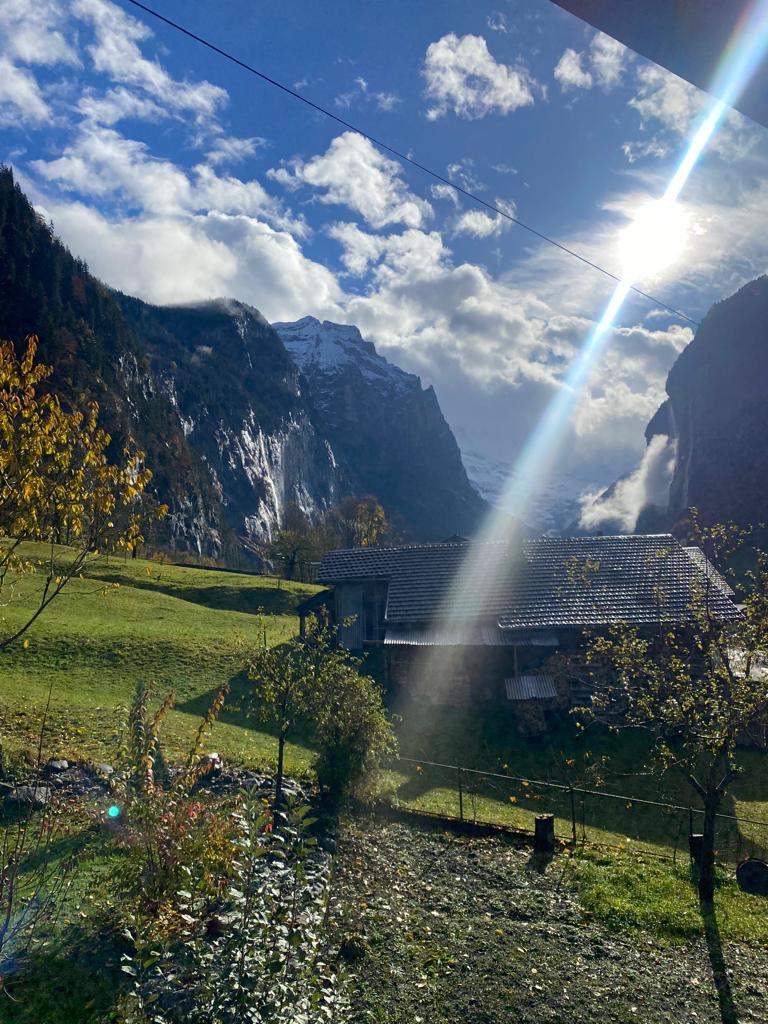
[404,158]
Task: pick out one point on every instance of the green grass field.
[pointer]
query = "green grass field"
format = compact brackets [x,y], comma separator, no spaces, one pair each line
[128,620]
[192,629]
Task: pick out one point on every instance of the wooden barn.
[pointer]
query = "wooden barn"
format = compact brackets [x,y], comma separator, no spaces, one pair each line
[463,622]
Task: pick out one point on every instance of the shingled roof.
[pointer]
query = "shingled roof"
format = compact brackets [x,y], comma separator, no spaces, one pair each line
[542,583]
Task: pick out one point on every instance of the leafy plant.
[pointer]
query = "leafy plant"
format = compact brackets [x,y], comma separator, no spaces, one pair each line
[262,958]
[165,825]
[316,679]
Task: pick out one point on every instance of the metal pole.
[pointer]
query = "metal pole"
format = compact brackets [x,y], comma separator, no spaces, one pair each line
[461,797]
[573,816]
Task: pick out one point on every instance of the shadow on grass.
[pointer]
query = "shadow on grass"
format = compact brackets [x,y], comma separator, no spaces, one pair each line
[241,711]
[717,962]
[77,982]
[250,600]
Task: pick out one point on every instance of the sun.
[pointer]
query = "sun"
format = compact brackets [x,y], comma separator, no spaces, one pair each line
[654,240]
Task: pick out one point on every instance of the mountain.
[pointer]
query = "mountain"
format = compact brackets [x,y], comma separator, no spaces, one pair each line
[717,414]
[387,432]
[707,445]
[235,427]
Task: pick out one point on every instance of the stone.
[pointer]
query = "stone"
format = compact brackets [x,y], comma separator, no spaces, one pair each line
[58,765]
[35,796]
[104,769]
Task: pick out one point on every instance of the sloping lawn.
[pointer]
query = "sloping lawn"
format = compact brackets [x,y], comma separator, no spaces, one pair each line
[129,620]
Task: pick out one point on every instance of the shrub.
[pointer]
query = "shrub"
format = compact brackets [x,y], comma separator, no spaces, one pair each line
[261,958]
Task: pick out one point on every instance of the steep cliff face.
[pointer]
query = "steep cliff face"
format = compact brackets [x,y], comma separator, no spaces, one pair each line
[235,391]
[387,431]
[717,414]
[235,427]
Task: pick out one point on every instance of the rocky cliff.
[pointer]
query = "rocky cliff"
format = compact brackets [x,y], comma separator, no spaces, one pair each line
[235,424]
[717,415]
[387,431]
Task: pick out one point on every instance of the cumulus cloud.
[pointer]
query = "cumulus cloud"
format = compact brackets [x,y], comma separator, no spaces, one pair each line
[353,173]
[20,95]
[229,149]
[479,224]
[602,64]
[647,485]
[461,75]
[35,33]
[608,59]
[669,107]
[101,162]
[570,73]
[168,259]
[116,52]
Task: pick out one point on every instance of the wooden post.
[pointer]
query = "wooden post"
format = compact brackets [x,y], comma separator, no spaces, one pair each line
[461,796]
[695,845]
[573,816]
[544,833]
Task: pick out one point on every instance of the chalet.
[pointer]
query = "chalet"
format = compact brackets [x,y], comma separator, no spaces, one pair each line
[461,621]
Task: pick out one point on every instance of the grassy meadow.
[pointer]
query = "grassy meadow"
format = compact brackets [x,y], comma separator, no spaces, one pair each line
[127,620]
[190,629]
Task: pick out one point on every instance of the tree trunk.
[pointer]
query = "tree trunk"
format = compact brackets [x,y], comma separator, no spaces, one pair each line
[707,866]
[279,776]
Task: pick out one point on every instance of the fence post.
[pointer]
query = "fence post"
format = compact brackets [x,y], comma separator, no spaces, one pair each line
[573,817]
[461,795]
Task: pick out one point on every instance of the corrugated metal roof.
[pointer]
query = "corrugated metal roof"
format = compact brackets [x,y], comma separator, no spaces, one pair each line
[539,583]
[539,687]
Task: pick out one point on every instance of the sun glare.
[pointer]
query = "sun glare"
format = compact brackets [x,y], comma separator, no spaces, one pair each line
[654,240]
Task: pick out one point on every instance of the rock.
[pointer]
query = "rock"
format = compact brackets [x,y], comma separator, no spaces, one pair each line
[328,843]
[104,769]
[212,762]
[25,796]
[57,765]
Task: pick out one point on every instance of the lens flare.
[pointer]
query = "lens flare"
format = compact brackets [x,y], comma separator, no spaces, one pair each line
[654,240]
[742,56]
[113,811]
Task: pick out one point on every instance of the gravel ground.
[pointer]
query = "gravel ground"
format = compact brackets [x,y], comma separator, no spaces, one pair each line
[438,928]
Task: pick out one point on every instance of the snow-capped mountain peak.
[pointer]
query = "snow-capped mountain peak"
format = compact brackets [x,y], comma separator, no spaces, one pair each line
[330,348]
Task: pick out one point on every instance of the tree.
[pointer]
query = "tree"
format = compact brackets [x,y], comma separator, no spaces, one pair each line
[315,679]
[697,687]
[57,483]
[293,547]
[360,521]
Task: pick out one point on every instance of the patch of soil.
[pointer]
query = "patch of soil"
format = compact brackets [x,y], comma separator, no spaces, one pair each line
[439,929]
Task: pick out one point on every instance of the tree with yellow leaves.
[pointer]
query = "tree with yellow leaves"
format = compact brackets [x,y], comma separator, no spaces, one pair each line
[57,483]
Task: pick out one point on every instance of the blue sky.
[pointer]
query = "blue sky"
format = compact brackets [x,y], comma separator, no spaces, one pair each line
[179,177]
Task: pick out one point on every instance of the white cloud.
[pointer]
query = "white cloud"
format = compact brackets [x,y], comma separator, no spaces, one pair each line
[360,93]
[117,105]
[609,58]
[353,173]
[602,64]
[167,259]
[441,191]
[20,95]
[669,106]
[103,163]
[479,224]
[648,484]
[230,149]
[34,33]
[461,75]
[116,52]
[570,73]
[497,22]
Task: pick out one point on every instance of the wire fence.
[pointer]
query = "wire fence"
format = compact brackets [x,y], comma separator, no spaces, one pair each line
[583,816]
